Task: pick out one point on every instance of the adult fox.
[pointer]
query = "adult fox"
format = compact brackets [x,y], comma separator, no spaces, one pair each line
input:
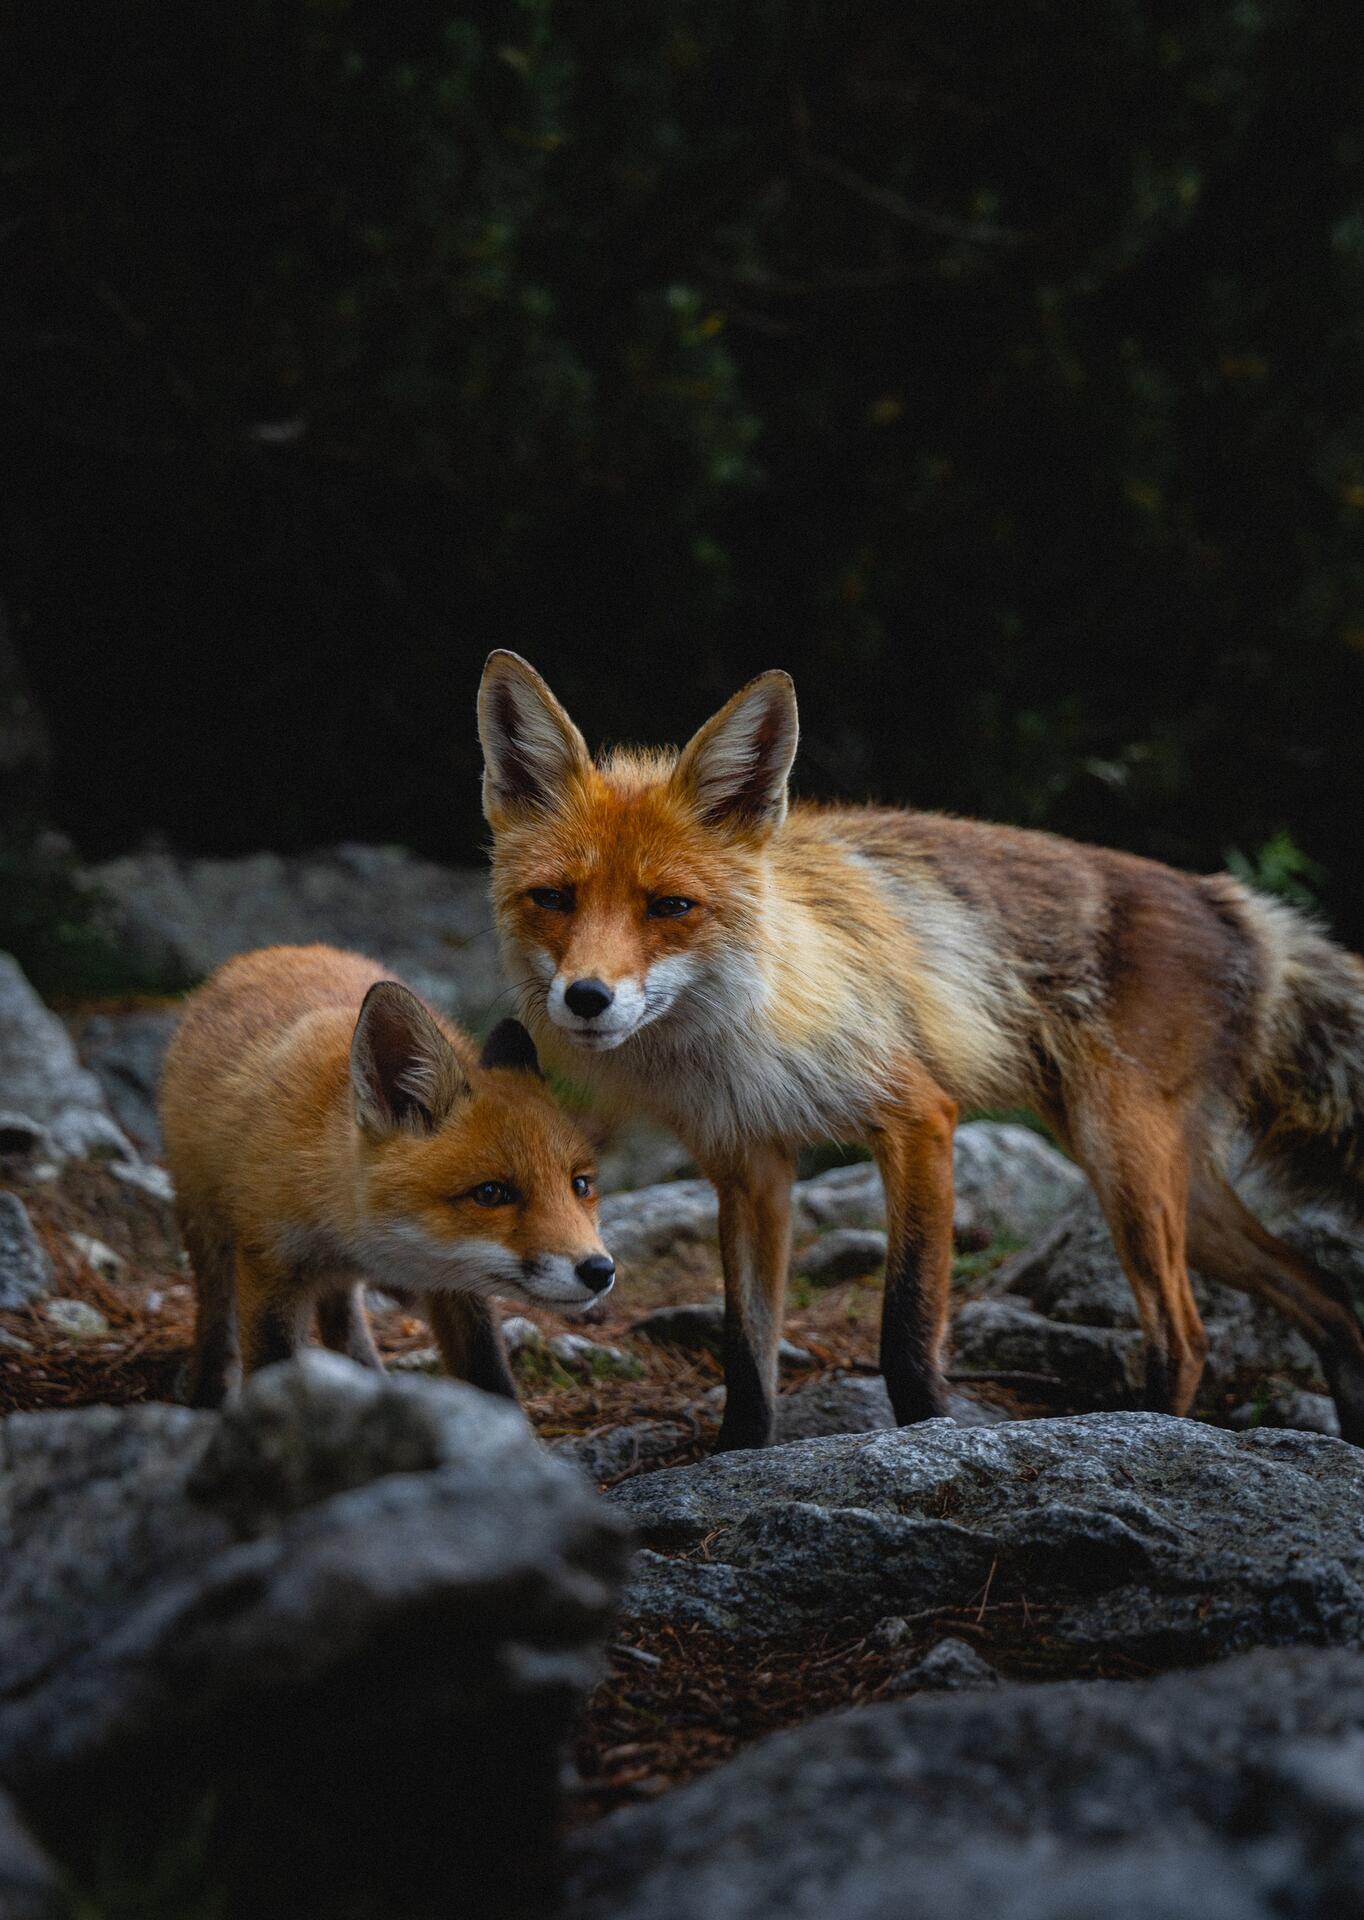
[762,976]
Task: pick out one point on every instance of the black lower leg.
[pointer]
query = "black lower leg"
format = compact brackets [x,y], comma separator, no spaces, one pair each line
[910,1360]
[750,1411]
[344,1328]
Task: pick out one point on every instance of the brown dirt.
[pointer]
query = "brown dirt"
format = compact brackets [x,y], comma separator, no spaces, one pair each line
[678,1700]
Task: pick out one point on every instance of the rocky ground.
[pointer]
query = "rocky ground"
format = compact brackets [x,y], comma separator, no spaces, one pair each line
[1049,1659]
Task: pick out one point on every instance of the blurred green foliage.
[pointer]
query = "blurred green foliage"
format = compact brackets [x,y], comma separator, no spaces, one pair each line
[1000,372]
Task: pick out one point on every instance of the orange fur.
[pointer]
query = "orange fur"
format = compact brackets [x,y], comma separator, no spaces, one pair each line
[295,1182]
[858,973]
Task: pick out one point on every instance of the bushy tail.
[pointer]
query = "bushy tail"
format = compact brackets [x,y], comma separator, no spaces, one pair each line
[1305,1097]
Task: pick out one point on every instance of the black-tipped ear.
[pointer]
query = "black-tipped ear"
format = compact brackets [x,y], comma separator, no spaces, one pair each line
[531,749]
[734,771]
[509,1045]
[403,1070]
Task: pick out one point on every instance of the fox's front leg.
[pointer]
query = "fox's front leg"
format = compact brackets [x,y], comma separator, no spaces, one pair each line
[469,1336]
[755,1248]
[913,1148]
[272,1312]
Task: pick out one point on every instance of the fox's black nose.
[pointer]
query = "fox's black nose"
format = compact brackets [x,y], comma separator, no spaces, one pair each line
[588,998]
[597,1271]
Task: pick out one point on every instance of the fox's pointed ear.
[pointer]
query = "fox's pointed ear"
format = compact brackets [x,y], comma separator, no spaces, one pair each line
[531,749]
[509,1045]
[734,771]
[403,1070]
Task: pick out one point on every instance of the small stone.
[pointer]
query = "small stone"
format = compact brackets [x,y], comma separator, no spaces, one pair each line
[25,1270]
[96,1255]
[520,1335]
[419,1360]
[77,1318]
[890,1634]
[153,1180]
[592,1357]
[951,1667]
[845,1253]
[697,1325]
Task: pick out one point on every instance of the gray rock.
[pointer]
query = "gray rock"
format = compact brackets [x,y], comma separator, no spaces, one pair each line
[25,1270]
[618,1451]
[849,1196]
[1098,1367]
[699,1325]
[591,1357]
[648,1223]
[124,1051]
[844,1253]
[432,924]
[101,1259]
[1308,1412]
[23,1141]
[393,1570]
[953,1666]
[30,1886]
[1133,1532]
[641,1154]
[1065,1308]
[77,1319]
[857,1403]
[1232,1793]
[42,1077]
[1008,1183]
[417,1360]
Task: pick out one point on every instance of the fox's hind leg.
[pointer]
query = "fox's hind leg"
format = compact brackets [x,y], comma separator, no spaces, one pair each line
[469,1335]
[1227,1243]
[344,1326]
[913,1147]
[755,1249]
[215,1362]
[1134,1145]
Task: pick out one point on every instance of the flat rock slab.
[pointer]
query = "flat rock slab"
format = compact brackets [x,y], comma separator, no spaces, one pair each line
[1158,1537]
[344,1583]
[1234,1794]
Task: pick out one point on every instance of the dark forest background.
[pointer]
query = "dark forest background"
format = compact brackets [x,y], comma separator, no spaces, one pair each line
[997,370]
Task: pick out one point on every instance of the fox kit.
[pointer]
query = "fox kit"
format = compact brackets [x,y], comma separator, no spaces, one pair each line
[323,1127]
[761,977]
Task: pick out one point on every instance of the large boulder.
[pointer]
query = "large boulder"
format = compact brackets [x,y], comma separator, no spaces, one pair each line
[42,1078]
[1132,1533]
[1009,1183]
[358,1613]
[124,1051]
[431,924]
[1064,1308]
[25,1270]
[1234,1794]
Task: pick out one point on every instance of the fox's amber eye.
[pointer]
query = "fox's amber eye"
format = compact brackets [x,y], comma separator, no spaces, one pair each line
[669,906]
[493,1193]
[552,899]
[584,1185]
